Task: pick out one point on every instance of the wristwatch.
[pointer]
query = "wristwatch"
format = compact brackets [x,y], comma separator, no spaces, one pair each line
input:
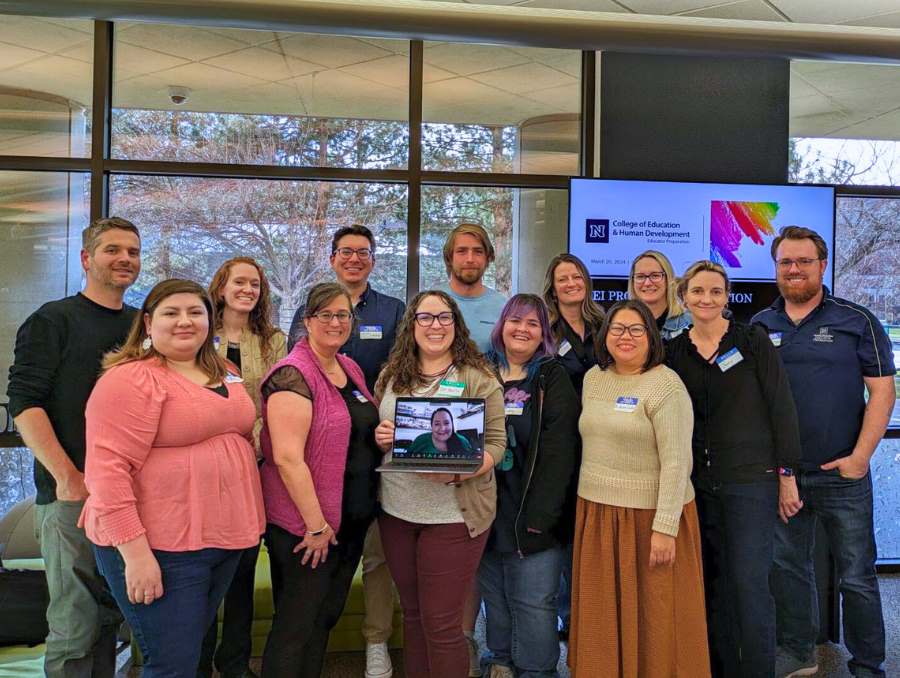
[785,471]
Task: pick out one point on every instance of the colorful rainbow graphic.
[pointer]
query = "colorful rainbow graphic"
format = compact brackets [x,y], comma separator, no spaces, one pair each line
[731,221]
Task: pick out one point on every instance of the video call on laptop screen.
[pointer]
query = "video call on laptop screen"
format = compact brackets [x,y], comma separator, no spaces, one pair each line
[439,428]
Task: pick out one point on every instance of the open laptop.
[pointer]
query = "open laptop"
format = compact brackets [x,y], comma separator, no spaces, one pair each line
[437,435]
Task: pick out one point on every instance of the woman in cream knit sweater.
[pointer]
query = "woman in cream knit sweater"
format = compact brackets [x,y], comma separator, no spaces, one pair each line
[637,604]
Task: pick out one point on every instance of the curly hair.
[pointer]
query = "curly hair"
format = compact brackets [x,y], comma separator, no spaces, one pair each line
[402,367]
[260,320]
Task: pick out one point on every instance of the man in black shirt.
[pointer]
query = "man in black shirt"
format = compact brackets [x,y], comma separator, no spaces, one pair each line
[58,353]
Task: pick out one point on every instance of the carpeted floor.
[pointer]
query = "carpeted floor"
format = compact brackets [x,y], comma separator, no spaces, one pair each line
[832,658]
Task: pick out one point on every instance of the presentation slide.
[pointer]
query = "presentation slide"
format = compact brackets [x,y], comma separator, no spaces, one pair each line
[612,221]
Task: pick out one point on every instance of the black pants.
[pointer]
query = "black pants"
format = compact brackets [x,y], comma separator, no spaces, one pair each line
[308,602]
[233,655]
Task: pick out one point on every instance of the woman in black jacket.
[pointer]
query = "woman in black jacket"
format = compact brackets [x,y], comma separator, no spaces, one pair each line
[519,572]
[746,443]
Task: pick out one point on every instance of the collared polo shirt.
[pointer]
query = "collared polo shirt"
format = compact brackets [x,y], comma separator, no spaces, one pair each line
[827,355]
[373,335]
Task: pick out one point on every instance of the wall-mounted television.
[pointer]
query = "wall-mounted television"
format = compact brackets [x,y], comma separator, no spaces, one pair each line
[611,221]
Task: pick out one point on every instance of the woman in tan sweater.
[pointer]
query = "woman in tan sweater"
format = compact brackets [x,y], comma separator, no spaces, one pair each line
[637,603]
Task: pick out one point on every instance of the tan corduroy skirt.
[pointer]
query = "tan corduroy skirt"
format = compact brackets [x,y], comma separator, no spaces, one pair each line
[630,620]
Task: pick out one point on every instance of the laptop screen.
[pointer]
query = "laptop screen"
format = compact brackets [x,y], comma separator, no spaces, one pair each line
[439,428]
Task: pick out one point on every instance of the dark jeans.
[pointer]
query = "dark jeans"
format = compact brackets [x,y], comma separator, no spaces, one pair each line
[233,655]
[170,630]
[737,528]
[520,601]
[308,602]
[564,601]
[434,568]
[845,508]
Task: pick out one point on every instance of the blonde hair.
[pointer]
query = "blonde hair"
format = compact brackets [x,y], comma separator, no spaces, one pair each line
[673,304]
[590,310]
[133,349]
[467,228]
[704,265]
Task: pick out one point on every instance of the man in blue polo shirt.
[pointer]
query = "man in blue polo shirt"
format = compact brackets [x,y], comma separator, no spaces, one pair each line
[833,351]
[377,317]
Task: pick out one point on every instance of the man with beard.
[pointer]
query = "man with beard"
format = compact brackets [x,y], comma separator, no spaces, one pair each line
[57,361]
[467,253]
[833,351]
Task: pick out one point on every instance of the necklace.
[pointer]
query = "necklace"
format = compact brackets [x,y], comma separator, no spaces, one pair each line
[440,373]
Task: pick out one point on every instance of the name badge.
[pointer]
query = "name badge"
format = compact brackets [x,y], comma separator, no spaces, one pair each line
[729,360]
[370,332]
[450,389]
[233,379]
[216,343]
[564,347]
[775,338]
[626,404]
[359,396]
[514,409]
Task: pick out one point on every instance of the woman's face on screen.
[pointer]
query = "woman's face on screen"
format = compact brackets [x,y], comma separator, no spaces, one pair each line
[441,426]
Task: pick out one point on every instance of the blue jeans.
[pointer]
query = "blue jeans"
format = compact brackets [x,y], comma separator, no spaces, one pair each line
[170,630]
[520,597]
[737,530]
[845,508]
[564,606]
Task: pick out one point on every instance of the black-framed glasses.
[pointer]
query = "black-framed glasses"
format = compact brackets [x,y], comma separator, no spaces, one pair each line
[427,319]
[656,276]
[634,331]
[801,262]
[325,317]
[364,253]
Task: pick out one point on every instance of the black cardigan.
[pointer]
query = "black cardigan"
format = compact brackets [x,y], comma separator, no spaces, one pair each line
[552,463]
[745,421]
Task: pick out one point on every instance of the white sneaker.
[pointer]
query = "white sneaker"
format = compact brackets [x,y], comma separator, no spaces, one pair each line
[474,658]
[378,661]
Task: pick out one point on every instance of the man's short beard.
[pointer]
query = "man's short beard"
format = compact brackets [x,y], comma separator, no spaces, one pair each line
[800,296]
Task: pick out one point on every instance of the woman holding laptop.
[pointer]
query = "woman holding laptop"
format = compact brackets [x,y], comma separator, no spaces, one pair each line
[434,526]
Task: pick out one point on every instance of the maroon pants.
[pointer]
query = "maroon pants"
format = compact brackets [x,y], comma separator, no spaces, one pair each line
[434,569]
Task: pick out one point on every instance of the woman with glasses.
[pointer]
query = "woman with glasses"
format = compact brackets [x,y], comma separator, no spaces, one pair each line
[652,281]
[637,601]
[319,483]
[746,443]
[244,334]
[442,439]
[434,526]
[519,573]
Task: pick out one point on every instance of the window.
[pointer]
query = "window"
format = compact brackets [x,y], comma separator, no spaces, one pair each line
[45,86]
[259,97]
[190,225]
[488,108]
[536,218]
[42,215]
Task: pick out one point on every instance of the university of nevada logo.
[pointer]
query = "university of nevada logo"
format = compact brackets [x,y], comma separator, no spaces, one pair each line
[596,230]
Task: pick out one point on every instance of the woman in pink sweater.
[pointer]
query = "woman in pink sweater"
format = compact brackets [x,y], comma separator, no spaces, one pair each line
[174,489]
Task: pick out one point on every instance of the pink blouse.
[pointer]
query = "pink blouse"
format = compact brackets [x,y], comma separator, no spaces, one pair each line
[172,459]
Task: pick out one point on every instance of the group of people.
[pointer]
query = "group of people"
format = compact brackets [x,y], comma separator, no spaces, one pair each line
[652,475]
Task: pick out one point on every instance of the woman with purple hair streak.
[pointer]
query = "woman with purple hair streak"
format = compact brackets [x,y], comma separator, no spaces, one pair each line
[519,572]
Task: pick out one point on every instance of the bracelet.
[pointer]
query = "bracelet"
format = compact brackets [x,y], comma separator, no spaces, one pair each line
[322,530]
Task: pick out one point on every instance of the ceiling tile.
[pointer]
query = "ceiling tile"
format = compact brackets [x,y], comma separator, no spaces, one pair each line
[565,60]
[340,94]
[668,6]
[193,44]
[583,5]
[82,52]
[328,50]
[464,101]
[465,59]
[889,20]
[45,35]
[204,78]
[392,71]
[883,127]
[249,37]
[565,99]
[833,11]
[12,56]
[54,74]
[751,10]
[524,78]
[257,62]
[130,61]
[843,78]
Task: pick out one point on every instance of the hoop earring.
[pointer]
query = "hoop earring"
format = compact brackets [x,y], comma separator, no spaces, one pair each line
[147,343]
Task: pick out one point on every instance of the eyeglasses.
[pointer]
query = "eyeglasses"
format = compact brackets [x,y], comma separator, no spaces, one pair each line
[325,317]
[634,331]
[656,276]
[427,319]
[364,253]
[801,262]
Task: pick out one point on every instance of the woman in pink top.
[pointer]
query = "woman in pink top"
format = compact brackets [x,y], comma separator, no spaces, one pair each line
[174,489]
